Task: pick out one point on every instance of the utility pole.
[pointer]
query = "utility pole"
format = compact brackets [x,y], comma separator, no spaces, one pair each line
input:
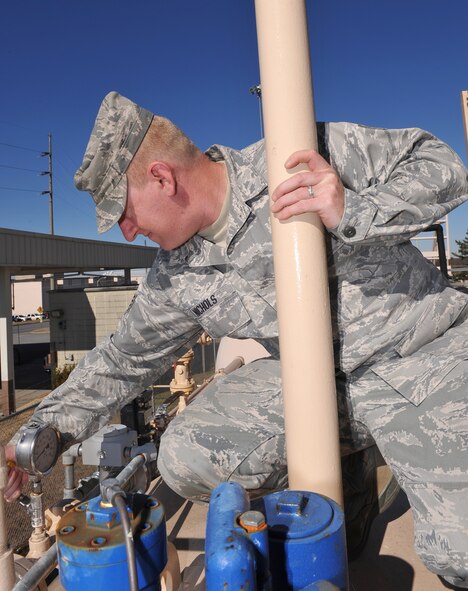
[50,191]
[51,200]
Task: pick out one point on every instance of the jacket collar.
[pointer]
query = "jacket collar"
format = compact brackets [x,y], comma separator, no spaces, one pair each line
[246,182]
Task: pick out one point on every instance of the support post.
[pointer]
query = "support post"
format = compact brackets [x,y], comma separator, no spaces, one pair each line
[7,564]
[312,435]
[6,344]
[464,105]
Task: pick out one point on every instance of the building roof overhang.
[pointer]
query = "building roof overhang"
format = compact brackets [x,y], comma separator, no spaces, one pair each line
[26,253]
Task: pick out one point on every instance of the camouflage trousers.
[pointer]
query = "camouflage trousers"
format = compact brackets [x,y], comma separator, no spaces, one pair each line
[235,431]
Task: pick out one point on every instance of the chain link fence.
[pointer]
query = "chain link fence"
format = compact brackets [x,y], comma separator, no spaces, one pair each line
[17,518]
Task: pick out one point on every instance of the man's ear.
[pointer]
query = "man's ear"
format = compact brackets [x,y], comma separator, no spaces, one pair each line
[164,174]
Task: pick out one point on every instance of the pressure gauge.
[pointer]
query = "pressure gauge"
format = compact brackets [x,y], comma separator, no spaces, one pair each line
[38,449]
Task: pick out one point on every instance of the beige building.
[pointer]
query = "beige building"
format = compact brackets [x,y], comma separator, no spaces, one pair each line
[81,318]
[30,254]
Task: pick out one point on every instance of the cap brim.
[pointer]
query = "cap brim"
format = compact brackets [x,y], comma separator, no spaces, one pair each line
[110,209]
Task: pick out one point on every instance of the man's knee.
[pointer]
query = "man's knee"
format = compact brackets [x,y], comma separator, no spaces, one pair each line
[193,471]
[441,519]
[185,469]
[439,558]
[233,431]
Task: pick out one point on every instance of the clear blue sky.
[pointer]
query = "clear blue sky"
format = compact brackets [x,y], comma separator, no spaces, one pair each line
[391,64]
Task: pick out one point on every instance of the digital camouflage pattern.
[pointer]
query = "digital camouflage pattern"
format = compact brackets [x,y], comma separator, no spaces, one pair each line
[425,446]
[118,131]
[391,311]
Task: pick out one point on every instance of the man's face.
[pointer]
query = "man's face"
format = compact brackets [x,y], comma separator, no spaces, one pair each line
[163,218]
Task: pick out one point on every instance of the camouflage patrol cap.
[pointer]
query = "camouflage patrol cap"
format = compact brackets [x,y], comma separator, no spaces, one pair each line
[118,131]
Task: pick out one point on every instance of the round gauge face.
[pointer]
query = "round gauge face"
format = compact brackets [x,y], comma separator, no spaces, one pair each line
[45,450]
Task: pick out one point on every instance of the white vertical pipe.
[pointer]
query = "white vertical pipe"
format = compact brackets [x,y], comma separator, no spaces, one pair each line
[7,565]
[6,344]
[312,436]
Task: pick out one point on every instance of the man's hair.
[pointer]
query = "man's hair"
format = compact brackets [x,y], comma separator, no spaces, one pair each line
[163,141]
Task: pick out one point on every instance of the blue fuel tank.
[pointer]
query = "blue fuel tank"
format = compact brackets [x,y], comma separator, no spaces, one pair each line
[91,547]
[307,542]
[289,541]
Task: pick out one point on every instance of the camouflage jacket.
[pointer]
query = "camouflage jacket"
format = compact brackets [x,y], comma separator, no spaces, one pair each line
[387,300]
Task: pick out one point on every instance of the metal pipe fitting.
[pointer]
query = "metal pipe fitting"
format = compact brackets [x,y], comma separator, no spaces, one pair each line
[111,487]
[68,460]
[236,363]
[36,507]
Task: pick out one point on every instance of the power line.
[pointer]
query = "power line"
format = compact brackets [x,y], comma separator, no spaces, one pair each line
[70,172]
[18,168]
[24,190]
[20,148]
[72,203]
[72,161]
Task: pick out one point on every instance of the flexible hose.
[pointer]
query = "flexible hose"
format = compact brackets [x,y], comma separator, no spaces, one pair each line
[38,571]
[119,502]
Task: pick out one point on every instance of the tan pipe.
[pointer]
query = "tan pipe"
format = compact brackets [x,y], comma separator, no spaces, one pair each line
[7,564]
[236,363]
[312,437]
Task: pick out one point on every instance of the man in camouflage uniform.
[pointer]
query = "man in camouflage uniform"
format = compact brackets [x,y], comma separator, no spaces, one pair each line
[400,330]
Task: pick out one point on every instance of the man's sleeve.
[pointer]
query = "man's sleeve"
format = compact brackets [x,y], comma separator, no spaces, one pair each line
[397,181]
[151,334]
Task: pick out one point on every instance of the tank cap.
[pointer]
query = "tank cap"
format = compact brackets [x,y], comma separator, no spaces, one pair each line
[292,502]
[297,514]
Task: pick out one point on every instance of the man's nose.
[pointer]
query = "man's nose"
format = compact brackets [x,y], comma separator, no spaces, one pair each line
[128,229]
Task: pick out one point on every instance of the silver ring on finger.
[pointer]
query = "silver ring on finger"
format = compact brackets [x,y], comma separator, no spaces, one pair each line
[310,191]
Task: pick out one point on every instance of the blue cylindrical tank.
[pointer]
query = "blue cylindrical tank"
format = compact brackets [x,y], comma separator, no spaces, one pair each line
[91,547]
[306,541]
